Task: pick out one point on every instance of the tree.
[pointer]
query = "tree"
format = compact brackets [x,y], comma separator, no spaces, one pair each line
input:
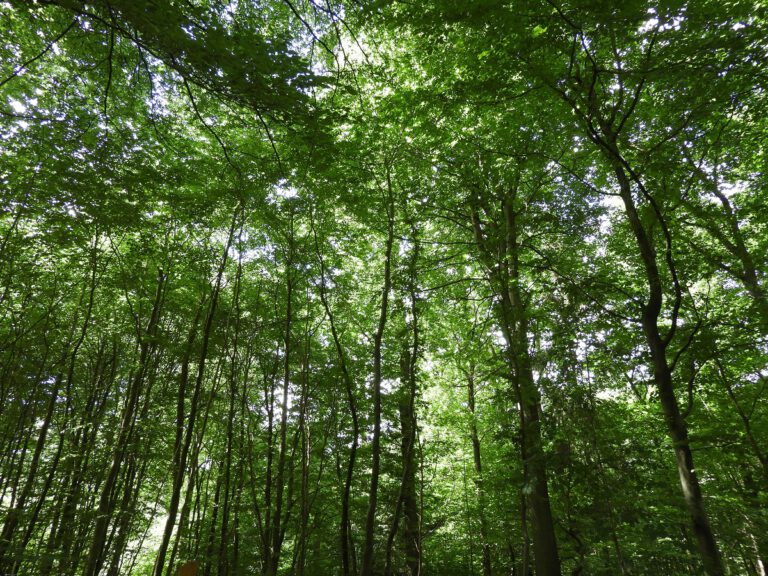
[383,288]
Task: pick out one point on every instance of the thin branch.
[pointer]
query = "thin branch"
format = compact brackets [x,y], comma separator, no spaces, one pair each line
[24,65]
[209,128]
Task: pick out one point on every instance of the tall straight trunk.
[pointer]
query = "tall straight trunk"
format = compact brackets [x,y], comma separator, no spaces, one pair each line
[223,554]
[662,370]
[265,527]
[412,514]
[73,466]
[273,560]
[406,500]
[184,446]
[22,434]
[370,520]
[188,536]
[346,544]
[179,440]
[14,514]
[546,557]
[235,565]
[126,516]
[305,440]
[132,481]
[209,549]
[104,511]
[477,460]
[504,271]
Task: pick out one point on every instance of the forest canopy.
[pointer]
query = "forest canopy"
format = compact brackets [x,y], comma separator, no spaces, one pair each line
[383,288]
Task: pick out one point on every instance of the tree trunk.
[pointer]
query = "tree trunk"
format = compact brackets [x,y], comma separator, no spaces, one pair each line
[346,544]
[273,560]
[477,460]
[182,448]
[370,520]
[662,374]
[503,267]
[104,511]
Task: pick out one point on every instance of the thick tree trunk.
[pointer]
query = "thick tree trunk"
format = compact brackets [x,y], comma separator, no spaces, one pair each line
[662,374]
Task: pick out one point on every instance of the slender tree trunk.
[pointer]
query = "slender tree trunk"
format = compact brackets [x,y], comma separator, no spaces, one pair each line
[346,544]
[104,511]
[9,564]
[304,498]
[184,446]
[411,527]
[273,561]
[370,521]
[224,552]
[476,457]
[209,549]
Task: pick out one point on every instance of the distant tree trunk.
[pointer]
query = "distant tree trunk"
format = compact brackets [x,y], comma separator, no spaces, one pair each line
[223,552]
[104,512]
[305,446]
[408,417]
[476,457]
[273,560]
[7,562]
[209,549]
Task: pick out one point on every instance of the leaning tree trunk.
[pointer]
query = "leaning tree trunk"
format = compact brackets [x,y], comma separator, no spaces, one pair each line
[662,370]
[104,512]
[185,435]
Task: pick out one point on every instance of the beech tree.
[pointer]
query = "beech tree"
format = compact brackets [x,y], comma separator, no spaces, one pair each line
[383,288]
